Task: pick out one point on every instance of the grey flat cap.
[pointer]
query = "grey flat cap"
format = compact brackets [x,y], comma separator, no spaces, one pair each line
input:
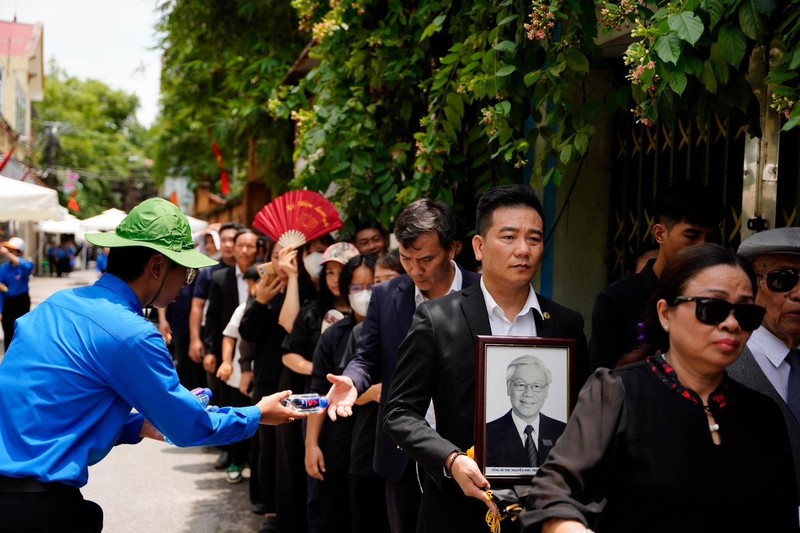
[774,241]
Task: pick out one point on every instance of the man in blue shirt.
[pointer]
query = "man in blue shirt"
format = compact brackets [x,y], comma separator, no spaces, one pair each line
[14,275]
[84,358]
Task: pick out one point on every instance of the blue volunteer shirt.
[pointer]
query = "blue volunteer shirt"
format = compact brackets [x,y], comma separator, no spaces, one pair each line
[78,364]
[15,278]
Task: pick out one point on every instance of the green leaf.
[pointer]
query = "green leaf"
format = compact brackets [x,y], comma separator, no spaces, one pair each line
[793,121]
[566,153]
[668,48]
[715,10]
[505,70]
[433,27]
[691,65]
[340,166]
[688,26]
[506,47]
[765,7]
[752,22]
[708,78]
[795,62]
[581,143]
[504,107]
[532,77]
[732,45]
[678,83]
[576,60]
[507,20]
[455,101]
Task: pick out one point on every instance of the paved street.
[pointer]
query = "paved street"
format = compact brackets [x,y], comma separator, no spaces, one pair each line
[156,487]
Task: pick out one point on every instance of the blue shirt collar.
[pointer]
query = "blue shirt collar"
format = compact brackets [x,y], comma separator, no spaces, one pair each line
[121,289]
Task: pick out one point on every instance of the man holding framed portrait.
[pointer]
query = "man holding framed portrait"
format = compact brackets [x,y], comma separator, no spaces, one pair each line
[437,361]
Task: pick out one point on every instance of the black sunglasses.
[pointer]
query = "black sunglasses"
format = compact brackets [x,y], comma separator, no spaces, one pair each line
[782,280]
[713,311]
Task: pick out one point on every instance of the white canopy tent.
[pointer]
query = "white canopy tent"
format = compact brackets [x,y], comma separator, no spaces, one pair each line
[196,224]
[67,224]
[105,221]
[25,202]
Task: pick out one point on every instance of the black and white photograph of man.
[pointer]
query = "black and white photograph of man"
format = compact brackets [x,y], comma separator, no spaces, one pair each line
[519,441]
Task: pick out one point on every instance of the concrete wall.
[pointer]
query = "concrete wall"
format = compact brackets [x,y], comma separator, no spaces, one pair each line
[581,238]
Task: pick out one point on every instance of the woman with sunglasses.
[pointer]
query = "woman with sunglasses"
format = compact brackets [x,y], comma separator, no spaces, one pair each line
[670,442]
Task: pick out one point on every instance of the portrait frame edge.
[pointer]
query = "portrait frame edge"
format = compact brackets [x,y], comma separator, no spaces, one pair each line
[483,346]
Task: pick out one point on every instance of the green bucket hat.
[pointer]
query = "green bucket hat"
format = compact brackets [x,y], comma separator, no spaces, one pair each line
[159,225]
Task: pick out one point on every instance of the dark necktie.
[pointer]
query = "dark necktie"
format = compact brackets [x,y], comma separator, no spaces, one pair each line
[530,446]
[793,391]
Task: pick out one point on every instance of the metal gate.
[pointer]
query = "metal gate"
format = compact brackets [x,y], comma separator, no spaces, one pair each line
[649,160]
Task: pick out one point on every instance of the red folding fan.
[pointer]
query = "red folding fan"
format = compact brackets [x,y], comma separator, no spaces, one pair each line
[297,217]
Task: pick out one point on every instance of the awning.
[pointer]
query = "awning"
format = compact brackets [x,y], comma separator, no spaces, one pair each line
[27,202]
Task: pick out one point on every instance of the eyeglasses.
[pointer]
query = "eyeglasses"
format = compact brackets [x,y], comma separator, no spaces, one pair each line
[520,386]
[191,274]
[355,289]
[714,311]
[782,280]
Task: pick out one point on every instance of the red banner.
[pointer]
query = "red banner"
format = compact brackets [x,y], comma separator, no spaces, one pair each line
[225,186]
[6,158]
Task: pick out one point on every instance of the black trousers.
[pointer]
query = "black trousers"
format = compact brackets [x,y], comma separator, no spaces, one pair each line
[13,308]
[62,509]
[403,500]
[267,451]
[368,504]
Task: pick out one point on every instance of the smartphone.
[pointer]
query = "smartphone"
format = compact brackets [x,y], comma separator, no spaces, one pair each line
[266,270]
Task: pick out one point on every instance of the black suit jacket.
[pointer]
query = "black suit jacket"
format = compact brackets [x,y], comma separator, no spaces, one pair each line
[388,319]
[437,361]
[504,446]
[223,299]
[747,372]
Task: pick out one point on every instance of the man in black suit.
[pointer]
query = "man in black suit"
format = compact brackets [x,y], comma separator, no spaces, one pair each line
[437,358]
[770,363]
[426,232]
[524,435]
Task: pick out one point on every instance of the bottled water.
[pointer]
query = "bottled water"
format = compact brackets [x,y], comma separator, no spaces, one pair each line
[307,403]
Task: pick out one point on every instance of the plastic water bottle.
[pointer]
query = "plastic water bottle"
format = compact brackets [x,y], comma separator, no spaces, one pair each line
[203,396]
[307,403]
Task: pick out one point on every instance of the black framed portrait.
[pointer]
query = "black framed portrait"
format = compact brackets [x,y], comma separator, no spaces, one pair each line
[522,402]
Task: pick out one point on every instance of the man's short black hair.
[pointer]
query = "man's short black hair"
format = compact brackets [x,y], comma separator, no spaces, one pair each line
[425,216]
[689,202]
[244,231]
[231,225]
[128,262]
[505,196]
[362,225]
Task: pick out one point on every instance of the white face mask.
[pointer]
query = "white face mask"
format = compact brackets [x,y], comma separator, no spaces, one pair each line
[359,302]
[313,264]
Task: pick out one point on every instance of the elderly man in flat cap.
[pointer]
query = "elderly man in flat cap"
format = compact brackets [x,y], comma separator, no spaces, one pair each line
[770,363]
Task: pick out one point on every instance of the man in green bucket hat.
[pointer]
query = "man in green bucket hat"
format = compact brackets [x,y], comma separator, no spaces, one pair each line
[85,358]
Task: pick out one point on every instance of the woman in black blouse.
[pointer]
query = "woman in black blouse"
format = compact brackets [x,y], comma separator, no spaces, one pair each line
[670,443]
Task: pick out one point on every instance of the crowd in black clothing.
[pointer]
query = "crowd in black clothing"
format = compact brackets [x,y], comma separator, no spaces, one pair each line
[287,332]
[249,335]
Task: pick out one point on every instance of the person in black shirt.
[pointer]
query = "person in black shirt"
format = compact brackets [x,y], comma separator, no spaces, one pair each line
[328,445]
[686,215]
[670,442]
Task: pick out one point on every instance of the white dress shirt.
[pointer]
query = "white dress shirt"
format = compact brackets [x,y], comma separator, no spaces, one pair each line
[770,353]
[523,325]
[521,425]
[241,285]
